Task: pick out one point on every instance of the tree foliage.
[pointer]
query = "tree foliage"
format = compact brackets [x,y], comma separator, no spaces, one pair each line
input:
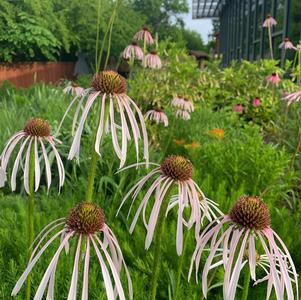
[54,29]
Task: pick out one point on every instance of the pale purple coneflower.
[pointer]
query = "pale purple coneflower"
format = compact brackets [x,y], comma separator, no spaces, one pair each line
[209,209]
[133,51]
[144,35]
[86,225]
[186,104]
[287,44]
[248,228]
[177,101]
[74,89]
[174,172]
[35,136]
[182,114]
[261,261]
[109,91]
[152,60]
[292,97]
[269,22]
[273,79]
[256,102]
[157,115]
[238,108]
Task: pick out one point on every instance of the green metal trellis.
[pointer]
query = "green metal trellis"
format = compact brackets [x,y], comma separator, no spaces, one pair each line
[241,32]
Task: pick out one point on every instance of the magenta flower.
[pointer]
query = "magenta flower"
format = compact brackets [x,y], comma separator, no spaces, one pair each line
[133,51]
[34,137]
[248,229]
[152,60]
[293,97]
[182,114]
[157,115]
[86,226]
[269,22]
[256,102]
[287,44]
[273,79]
[238,108]
[109,90]
[175,172]
[144,35]
[73,89]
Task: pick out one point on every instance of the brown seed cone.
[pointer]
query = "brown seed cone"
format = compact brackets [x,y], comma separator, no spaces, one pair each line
[86,218]
[37,127]
[177,167]
[109,82]
[250,212]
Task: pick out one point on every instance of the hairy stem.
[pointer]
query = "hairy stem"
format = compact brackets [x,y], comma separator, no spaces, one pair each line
[97,63]
[158,246]
[296,152]
[245,291]
[180,266]
[110,34]
[94,159]
[30,214]
[271,42]
[299,66]
[109,29]
[92,174]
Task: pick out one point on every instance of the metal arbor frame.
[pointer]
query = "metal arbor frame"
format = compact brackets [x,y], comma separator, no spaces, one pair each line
[241,32]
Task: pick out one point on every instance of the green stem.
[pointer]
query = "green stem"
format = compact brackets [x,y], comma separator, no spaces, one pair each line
[274,93]
[97,37]
[209,282]
[92,174]
[94,160]
[270,41]
[109,28]
[110,36]
[245,291]
[180,266]
[30,214]
[299,65]
[158,247]
[296,152]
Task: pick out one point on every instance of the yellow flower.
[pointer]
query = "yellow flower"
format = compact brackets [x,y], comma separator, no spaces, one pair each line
[218,132]
[179,142]
[193,145]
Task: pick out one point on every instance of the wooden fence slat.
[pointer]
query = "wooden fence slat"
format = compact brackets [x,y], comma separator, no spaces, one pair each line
[25,74]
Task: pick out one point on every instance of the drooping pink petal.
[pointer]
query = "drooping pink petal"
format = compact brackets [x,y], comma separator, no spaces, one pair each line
[252,257]
[32,263]
[16,164]
[237,268]
[43,284]
[113,270]
[105,273]
[155,212]
[73,286]
[36,165]
[86,271]
[47,164]
[74,150]
[100,128]
[26,168]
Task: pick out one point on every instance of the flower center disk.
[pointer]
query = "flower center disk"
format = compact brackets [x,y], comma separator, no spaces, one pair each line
[86,218]
[250,212]
[37,127]
[109,82]
[177,167]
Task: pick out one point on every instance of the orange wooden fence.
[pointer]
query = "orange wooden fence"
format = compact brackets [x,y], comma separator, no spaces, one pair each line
[25,74]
